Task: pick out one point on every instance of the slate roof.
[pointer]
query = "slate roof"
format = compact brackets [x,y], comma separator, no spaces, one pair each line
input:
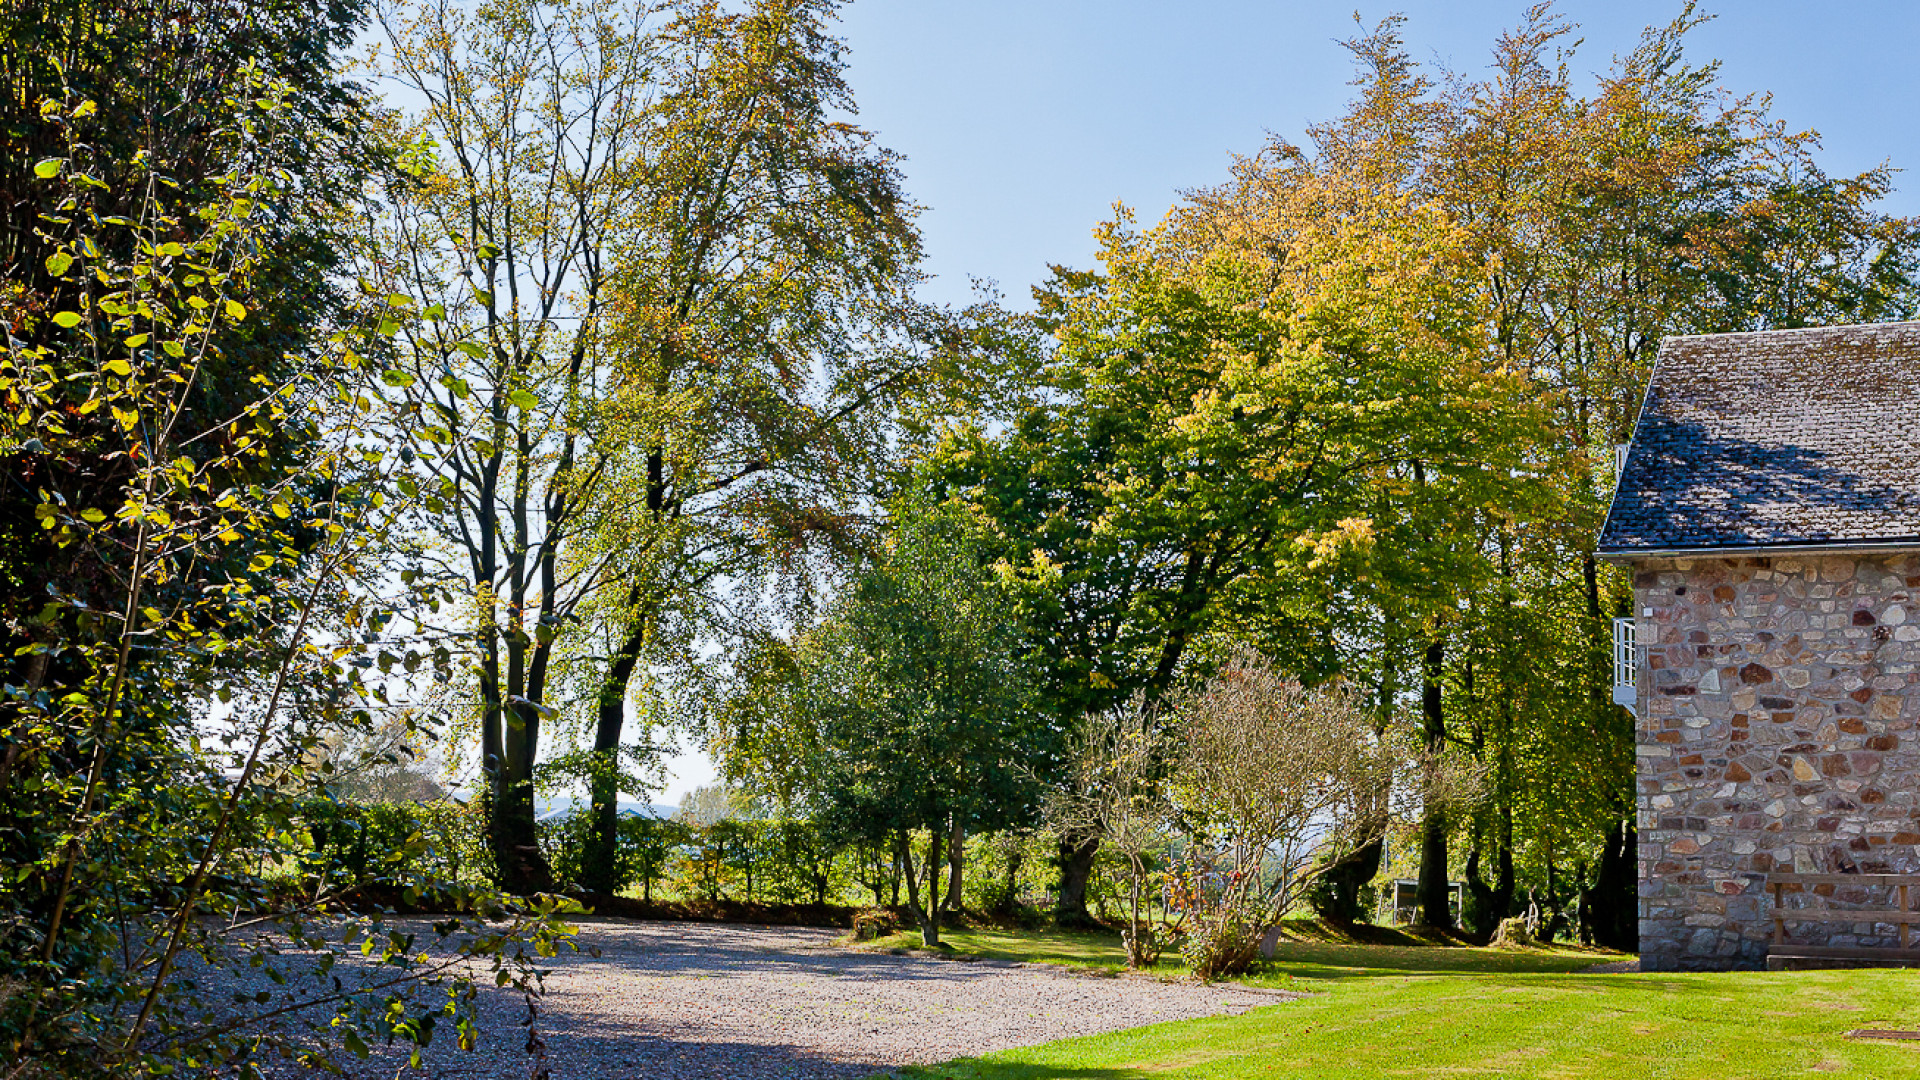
[1780,438]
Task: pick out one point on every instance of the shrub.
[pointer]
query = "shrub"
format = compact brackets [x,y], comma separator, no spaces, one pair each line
[1009,874]
[1513,933]
[873,923]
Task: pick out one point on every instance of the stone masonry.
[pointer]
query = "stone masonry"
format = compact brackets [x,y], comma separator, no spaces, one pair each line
[1778,699]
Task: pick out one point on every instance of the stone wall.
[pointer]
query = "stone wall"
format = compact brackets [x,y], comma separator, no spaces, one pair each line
[1777,708]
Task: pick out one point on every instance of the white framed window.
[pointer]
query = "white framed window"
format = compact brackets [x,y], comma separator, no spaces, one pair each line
[1626,664]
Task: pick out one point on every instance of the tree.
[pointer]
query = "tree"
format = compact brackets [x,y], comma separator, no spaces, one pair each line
[499,243]
[765,344]
[1596,224]
[914,702]
[203,524]
[680,320]
[1270,410]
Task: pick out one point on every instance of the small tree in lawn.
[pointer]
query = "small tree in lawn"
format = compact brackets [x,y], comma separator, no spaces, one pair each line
[1119,792]
[1268,777]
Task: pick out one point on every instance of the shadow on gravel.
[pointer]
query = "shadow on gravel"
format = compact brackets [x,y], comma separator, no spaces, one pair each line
[647,1057]
[670,955]
[977,1070]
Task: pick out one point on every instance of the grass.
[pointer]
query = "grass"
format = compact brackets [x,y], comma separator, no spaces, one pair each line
[1422,1011]
[1068,947]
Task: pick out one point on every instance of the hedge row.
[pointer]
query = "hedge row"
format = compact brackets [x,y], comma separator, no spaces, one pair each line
[760,861]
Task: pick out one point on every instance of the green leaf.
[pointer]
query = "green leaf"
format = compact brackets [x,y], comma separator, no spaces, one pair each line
[119,366]
[67,319]
[92,516]
[396,377]
[171,248]
[236,310]
[58,262]
[524,399]
[48,169]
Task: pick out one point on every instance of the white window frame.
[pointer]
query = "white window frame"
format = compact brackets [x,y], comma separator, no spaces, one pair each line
[1626,664]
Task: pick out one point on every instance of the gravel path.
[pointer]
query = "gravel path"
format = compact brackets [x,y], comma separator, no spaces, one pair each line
[666,1001]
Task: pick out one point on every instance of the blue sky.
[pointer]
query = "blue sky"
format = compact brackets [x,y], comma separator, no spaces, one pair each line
[1023,122]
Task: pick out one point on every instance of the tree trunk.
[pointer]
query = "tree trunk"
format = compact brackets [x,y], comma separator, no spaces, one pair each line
[1345,877]
[1583,911]
[1477,911]
[903,856]
[1435,909]
[599,871]
[1557,921]
[1614,901]
[1503,854]
[956,862]
[1076,866]
[517,858]
[1010,896]
[928,914]
[930,928]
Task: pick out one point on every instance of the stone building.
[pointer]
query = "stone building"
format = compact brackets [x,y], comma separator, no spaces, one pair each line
[1769,506]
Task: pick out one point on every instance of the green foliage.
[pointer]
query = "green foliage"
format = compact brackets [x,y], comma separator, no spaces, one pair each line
[197,500]
[1008,873]
[909,708]
[404,845]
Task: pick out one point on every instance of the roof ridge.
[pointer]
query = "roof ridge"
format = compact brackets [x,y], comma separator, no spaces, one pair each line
[1786,330]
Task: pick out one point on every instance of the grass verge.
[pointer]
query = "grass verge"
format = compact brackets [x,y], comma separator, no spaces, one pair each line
[1083,949]
[1419,1011]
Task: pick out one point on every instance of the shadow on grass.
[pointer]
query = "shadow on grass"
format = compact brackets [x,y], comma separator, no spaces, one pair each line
[1341,963]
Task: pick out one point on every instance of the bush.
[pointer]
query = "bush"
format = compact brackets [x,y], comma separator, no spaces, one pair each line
[1219,944]
[1008,874]
[358,844]
[1513,933]
[646,844]
[1221,937]
[873,923]
[778,860]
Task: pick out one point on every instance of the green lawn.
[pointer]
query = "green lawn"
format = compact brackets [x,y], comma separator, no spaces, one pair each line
[1042,946]
[1435,1012]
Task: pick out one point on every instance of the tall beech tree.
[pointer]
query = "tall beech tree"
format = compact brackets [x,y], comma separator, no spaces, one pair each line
[1241,415]
[765,345]
[663,320]
[529,135]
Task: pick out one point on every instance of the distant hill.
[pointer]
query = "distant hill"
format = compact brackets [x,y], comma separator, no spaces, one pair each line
[561,805]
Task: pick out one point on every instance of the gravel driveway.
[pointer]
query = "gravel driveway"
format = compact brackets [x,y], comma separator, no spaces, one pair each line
[665,1001]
